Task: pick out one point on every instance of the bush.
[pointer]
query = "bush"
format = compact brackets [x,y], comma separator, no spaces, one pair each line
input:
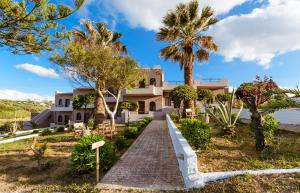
[121,142]
[270,125]
[175,116]
[131,132]
[46,132]
[148,119]
[196,132]
[60,129]
[90,123]
[84,158]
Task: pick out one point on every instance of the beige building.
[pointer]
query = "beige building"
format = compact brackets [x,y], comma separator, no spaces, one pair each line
[151,94]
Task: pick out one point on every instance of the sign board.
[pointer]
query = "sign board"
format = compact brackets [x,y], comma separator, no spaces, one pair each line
[98,144]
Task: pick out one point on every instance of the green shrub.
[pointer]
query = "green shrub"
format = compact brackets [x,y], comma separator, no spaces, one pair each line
[84,158]
[196,132]
[46,132]
[131,132]
[121,142]
[270,125]
[175,116]
[148,119]
[60,129]
[90,123]
[35,131]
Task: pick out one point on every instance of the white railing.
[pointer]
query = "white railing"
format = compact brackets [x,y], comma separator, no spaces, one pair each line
[186,156]
[151,90]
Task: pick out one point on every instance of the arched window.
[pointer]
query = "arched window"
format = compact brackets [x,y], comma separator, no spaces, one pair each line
[153,81]
[142,84]
[78,116]
[60,102]
[59,119]
[152,106]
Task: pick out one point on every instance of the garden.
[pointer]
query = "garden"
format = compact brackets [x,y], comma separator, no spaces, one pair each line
[224,142]
[58,159]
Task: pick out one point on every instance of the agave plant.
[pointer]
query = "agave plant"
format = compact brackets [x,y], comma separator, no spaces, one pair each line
[223,113]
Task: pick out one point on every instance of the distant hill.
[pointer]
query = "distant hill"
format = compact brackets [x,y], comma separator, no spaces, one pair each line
[21,109]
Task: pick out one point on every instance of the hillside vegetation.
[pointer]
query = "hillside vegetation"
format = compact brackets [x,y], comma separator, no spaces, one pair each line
[20,109]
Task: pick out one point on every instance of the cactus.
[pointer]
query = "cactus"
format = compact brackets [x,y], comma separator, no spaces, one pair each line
[223,114]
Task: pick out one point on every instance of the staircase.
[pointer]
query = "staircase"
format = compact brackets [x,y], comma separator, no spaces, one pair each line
[41,120]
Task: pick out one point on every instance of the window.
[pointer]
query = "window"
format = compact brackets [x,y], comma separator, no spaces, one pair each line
[60,102]
[153,81]
[78,116]
[168,101]
[59,119]
[67,102]
[142,84]
[152,106]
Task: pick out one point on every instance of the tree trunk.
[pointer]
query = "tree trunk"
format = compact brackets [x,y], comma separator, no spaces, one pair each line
[100,113]
[256,120]
[188,80]
[112,124]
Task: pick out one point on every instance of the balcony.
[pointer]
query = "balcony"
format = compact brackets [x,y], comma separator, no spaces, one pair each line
[204,83]
[60,108]
[151,90]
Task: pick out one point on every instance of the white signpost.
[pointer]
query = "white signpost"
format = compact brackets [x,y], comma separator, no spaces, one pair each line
[96,146]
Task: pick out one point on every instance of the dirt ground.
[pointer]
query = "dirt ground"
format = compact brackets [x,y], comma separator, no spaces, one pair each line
[238,153]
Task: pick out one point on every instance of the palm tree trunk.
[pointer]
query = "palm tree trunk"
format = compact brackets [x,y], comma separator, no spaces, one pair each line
[188,80]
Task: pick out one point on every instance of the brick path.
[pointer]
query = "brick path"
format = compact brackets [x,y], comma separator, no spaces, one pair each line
[150,163]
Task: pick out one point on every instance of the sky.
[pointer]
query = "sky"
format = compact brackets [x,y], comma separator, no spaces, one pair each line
[255,37]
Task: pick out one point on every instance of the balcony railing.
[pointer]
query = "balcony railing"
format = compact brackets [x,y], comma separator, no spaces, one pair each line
[151,90]
[202,82]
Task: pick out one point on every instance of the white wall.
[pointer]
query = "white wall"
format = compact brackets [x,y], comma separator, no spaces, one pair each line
[286,116]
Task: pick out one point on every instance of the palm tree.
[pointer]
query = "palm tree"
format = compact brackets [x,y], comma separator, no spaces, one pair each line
[184,31]
[99,35]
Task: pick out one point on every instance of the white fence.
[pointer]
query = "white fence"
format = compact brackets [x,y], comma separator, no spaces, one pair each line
[187,160]
[186,156]
[18,138]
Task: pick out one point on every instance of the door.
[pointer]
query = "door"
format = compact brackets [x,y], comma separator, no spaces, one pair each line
[67,119]
[141,107]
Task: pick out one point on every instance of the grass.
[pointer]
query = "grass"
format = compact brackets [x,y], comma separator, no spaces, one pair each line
[18,172]
[238,153]
[20,109]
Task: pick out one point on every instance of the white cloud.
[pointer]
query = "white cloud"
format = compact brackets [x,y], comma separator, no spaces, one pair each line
[262,34]
[11,94]
[148,14]
[38,70]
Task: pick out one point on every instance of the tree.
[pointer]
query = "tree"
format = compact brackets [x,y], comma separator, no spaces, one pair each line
[82,101]
[100,64]
[130,106]
[184,31]
[99,36]
[223,97]
[27,26]
[205,95]
[254,95]
[183,93]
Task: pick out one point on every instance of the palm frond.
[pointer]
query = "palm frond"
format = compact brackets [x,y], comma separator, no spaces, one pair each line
[202,55]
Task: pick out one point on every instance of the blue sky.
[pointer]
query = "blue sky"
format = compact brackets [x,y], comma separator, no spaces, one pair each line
[255,37]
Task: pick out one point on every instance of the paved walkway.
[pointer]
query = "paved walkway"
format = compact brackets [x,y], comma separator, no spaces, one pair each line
[150,163]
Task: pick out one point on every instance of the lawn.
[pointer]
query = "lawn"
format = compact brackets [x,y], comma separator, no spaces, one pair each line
[19,172]
[224,154]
